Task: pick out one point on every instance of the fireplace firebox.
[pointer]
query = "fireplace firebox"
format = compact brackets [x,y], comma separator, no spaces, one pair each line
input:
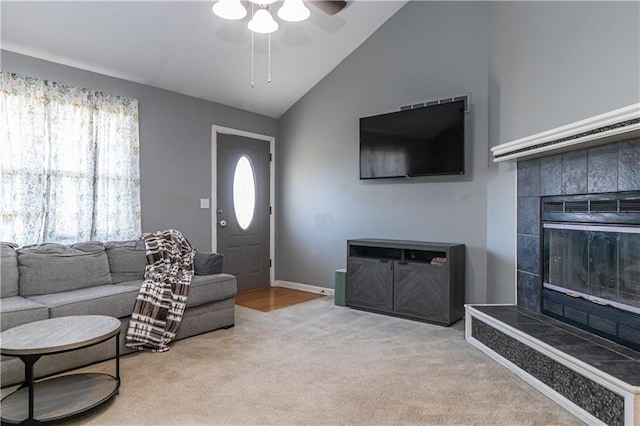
[591,263]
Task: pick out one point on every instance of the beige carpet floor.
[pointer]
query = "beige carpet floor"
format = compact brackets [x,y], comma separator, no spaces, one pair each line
[319,364]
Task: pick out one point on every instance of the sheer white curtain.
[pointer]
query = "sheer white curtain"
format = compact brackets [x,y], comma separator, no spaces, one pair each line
[69,163]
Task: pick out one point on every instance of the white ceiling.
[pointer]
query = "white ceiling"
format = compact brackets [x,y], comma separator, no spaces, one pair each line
[183,47]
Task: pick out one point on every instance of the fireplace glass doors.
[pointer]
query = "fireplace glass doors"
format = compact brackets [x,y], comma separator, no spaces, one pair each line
[596,262]
[590,263]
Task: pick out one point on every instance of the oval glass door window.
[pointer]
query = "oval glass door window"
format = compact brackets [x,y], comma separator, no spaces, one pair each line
[244,192]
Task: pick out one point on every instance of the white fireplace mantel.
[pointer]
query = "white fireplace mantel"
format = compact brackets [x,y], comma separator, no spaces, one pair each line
[616,125]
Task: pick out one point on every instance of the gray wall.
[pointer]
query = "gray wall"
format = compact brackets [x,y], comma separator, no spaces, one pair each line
[175,144]
[426,51]
[553,63]
[550,63]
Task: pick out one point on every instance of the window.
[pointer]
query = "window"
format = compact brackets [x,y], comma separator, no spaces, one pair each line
[69,163]
[244,192]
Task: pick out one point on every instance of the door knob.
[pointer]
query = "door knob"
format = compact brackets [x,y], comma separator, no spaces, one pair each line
[222,223]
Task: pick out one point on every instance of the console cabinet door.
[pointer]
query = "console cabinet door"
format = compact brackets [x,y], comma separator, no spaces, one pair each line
[421,291]
[370,283]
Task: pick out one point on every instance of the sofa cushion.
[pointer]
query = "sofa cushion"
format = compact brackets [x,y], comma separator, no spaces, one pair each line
[207,263]
[112,300]
[8,270]
[135,283]
[211,288]
[52,268]
[16,310]
[204,288]
[127,260]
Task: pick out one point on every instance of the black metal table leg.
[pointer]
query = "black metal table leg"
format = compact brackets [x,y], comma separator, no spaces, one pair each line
[118,358]
[29,361]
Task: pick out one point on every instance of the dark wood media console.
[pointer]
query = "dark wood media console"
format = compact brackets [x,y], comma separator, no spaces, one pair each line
[423,281]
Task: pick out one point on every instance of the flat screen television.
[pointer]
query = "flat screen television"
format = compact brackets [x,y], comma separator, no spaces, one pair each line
[421,141]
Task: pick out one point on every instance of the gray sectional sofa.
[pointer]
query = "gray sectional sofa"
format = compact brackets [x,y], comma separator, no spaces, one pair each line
[53,280]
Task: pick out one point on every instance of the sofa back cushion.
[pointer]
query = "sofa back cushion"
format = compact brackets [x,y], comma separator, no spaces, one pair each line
[208,263]
[53,268]
[8,270]
[127,260]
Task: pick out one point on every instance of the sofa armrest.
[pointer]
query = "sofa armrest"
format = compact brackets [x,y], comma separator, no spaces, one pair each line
[207,263]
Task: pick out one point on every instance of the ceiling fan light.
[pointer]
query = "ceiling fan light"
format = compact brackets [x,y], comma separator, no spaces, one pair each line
[229,9]
[293,11]
[263,2]
[262,22]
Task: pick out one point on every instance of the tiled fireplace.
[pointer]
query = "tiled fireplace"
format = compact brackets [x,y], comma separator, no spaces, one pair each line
[574,331]
[604,169]
[558,192]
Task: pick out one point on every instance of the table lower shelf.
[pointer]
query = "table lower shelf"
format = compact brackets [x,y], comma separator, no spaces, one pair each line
[60,397]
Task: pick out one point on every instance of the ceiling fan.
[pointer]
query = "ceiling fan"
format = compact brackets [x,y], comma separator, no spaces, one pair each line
[261,19]
[263,23]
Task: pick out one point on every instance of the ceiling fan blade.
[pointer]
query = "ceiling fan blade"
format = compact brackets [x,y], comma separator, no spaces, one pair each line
[330,7]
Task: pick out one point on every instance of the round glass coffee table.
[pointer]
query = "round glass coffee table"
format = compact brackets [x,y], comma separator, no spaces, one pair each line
[59,397]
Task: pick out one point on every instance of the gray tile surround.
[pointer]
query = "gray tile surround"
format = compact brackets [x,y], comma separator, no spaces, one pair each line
[574,172]
[529,179]
[529,215]
[606,168]
[528,253]
[551,175]
[528,290]
[629,165]
[602,169]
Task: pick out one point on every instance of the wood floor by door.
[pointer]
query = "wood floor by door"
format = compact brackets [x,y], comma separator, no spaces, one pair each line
[267,299]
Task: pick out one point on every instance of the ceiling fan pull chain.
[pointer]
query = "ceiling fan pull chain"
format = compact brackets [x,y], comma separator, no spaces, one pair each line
[252,54]
[269,69]
[252,83]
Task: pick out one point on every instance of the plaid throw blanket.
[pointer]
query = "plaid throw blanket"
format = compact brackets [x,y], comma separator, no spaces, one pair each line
[163,296]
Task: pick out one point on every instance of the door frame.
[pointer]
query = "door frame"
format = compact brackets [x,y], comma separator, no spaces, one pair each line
[215,129]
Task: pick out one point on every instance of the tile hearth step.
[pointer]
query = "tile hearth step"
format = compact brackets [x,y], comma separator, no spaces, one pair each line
[596,379]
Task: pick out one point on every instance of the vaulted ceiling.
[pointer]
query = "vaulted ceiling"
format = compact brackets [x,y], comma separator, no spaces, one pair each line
[183,47]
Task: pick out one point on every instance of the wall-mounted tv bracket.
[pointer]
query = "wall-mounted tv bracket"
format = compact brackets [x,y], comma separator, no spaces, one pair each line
[466,98]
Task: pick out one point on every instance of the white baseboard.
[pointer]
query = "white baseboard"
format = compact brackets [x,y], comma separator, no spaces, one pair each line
[304,287]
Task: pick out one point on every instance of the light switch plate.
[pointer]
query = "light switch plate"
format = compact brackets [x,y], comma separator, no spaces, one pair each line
[204,203]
